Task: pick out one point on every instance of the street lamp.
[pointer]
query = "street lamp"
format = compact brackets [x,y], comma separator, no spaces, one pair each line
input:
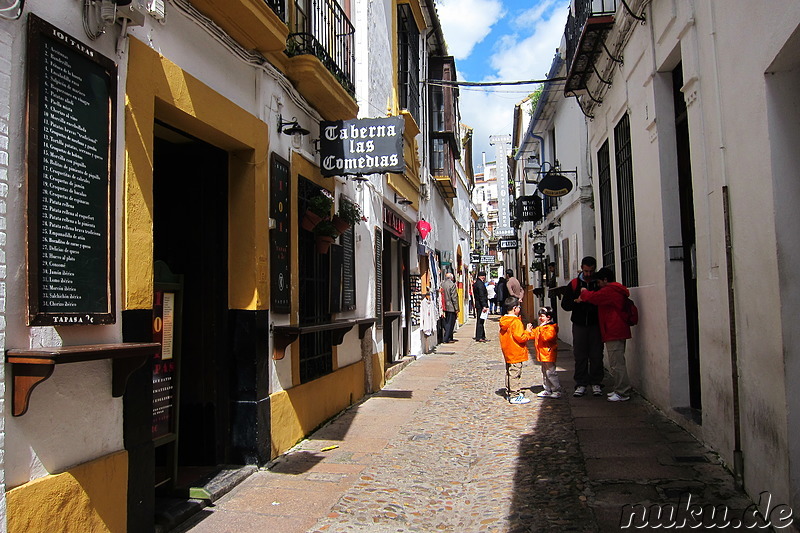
[480,224]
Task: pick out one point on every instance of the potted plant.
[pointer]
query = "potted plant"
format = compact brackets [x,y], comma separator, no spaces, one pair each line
[349,215]
[325,233]
[319,208]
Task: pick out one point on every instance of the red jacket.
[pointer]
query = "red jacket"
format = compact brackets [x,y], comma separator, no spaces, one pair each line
[609,301]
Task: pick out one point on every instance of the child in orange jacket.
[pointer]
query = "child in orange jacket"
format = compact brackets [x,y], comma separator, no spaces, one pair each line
[545,338]
[513,343]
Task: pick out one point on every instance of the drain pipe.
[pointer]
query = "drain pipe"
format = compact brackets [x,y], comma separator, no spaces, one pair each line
[738,456]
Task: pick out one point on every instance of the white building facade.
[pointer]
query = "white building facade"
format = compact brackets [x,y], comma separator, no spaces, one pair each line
[693,157]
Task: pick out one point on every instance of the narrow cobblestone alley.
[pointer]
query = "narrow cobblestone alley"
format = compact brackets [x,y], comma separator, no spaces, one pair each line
[440,449]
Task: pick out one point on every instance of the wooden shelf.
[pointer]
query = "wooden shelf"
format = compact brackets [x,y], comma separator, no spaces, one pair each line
[283,336]
[391,316]
[32,366]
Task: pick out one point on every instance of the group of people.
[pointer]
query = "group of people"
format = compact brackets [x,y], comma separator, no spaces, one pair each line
[483,301]
[597,303]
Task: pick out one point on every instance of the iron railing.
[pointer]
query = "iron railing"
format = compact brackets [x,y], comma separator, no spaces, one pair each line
[321,28]
[584,9]
[278,7]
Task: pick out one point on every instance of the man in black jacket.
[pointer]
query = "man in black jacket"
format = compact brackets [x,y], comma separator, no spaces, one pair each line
[481,296]
[587,345]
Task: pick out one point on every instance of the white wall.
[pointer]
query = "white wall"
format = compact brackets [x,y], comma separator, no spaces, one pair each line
[727,51]
[72,417]
[6,40]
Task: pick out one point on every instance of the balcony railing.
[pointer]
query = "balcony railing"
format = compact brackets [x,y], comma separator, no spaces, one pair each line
[585,33]
[321,28]
[279,7]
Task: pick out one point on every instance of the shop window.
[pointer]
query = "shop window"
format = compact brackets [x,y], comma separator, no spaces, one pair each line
[627,215]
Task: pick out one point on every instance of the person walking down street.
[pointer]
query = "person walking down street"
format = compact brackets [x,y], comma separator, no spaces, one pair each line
[513,287]
[614,329]
[490,295]
[450,296]
[481,296]
[587,345]
[500,295]
[513,343]
[545,338]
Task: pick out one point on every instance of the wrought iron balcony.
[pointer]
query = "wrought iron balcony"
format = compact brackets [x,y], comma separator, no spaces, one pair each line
[585,33]
[278,7]
[321,28]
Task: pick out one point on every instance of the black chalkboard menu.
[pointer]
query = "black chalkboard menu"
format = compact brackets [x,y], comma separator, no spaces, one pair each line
[280,273]
[71,100]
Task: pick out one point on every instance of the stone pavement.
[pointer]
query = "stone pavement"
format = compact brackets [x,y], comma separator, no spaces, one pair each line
[440,449]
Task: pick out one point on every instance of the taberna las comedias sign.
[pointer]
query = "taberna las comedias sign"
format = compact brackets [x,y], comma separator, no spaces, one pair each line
[361,146]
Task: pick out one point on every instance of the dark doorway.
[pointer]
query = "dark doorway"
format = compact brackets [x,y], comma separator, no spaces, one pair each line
[190,234]
[687,237]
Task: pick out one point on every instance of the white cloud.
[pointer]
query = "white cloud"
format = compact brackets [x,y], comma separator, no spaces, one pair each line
[525,54]
[466,23]
[530,57]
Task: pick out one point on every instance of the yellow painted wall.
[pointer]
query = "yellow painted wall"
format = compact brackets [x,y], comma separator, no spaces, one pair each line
[160,89]
[379,370]
[90,497]
[296,412]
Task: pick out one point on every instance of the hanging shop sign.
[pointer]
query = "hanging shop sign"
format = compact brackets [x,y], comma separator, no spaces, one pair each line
[505,232]
[555,184]
[71,95]
[529,208]
[474,258]
[488,259]
[361,146]
[509,244]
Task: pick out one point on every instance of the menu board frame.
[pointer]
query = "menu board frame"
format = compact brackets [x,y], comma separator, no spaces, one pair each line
[100,307]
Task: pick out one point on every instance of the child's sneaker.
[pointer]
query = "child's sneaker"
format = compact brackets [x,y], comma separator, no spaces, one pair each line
[618,398]
[545,394]
[555,394]
[580,390]
[597,390]
[519,399]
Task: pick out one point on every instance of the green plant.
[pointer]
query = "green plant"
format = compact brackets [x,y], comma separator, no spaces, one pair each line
[326,229]
[321,204]
[349,211]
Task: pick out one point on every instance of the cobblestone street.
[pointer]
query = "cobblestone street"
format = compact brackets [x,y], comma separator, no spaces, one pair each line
[440,449]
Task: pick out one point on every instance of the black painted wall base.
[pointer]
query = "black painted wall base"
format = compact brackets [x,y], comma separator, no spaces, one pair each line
[250,407]
[137,326]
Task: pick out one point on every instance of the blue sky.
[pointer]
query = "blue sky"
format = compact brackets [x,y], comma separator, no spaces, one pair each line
[506,40]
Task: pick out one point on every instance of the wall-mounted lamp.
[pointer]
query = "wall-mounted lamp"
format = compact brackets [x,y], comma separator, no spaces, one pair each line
[480,224]
[404,202]
[531,168]
[553,225]
[294,129]
[358,181]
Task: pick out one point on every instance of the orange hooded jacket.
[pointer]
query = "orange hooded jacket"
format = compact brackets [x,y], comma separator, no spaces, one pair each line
[513,339]
[546,342]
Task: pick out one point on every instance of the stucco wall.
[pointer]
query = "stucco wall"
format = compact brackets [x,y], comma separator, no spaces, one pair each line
[725,69]
[72,417]
[5,97]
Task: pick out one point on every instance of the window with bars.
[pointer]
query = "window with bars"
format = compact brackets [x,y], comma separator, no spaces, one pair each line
[627,215]
[606,209]
[408,60]
[315,349]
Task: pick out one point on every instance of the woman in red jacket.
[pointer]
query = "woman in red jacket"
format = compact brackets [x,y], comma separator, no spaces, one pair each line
[614,329]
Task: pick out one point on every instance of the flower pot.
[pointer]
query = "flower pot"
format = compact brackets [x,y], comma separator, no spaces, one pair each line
[310,220]
[340,224]
[324,243]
